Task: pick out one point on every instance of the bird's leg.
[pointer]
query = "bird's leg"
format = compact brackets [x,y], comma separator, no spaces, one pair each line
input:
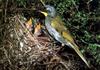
[56,43]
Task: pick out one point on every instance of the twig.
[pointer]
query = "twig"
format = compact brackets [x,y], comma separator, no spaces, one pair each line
[18,9]
[16,34]
[5,52]
[74,4]
[5,11]
[34,38]
[42,2]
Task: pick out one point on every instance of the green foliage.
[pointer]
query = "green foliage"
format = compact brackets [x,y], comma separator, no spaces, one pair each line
[63,6]
[21,3]
[95,50]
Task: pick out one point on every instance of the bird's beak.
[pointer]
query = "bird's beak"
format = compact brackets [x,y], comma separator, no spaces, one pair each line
[44,13]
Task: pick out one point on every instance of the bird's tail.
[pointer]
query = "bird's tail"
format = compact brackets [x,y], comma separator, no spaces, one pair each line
[75,47]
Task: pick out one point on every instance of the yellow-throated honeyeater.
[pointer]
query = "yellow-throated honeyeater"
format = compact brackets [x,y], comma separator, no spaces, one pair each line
[56,29]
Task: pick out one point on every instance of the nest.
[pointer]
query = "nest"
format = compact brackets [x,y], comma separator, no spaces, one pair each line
[23,50]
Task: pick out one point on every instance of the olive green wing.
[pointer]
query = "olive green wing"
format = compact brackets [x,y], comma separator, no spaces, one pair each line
[63,31]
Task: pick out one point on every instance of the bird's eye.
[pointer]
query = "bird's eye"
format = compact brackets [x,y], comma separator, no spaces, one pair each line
[49,10]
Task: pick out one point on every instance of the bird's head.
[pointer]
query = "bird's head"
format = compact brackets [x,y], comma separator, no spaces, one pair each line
[51,12]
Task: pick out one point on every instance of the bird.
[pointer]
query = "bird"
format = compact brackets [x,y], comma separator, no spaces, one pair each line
[33,25]
[34,21]
[29,24]
[56,29]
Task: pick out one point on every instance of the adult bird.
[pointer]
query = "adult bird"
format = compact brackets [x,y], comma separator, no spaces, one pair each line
[56,29]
